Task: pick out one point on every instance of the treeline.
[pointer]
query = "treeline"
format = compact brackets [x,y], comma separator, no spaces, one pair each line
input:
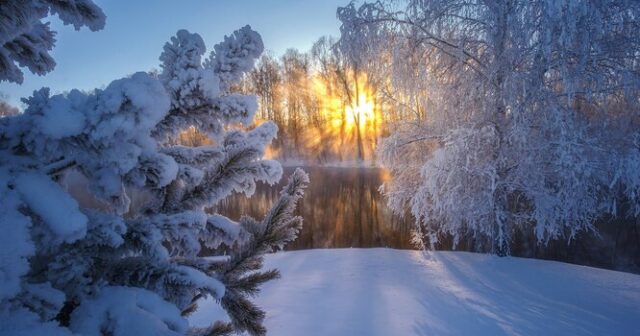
[326,109]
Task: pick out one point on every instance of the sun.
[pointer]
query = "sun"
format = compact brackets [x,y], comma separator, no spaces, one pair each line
[361,112]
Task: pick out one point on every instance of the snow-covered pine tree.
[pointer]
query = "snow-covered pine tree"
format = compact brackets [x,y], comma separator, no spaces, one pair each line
[128,261]
[26,40]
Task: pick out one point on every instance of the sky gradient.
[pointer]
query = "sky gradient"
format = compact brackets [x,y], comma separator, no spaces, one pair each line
[135,32]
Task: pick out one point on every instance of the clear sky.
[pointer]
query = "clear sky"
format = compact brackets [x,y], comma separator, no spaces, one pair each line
[136,30]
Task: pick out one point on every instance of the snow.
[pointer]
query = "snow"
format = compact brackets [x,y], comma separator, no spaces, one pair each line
[61,117]
[127,311]
[22,322]
[237,108]
[25,40]
[57,208]
[147,229]
[203,281]
[511,147]
[15,241]
[201,155]
[230,232]
[182,71]
[43,299]
[235,55]
[395,292]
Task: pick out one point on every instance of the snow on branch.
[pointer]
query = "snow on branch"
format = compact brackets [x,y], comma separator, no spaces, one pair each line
[25,40]
[531,114]
[126,256]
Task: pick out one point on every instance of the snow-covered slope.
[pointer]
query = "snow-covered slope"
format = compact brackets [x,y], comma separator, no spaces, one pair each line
[393,292]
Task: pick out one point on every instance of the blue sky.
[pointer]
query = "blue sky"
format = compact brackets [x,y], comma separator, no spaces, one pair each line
[136,30]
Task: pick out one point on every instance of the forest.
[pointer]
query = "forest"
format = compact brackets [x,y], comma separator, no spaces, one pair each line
[432,167]
[382,95]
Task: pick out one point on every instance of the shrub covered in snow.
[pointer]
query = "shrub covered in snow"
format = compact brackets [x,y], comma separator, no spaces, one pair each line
[126,267]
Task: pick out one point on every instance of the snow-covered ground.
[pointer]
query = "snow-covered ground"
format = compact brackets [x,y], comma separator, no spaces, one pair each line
[393,292]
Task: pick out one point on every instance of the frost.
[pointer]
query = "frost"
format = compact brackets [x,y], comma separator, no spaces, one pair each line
[227,231]
[53,205]
[203,281]
[26,40]
[236,108]
[235,55]
[18,321]
[61,119]
[520,126]
[122,311]
[128,261]
[15,242]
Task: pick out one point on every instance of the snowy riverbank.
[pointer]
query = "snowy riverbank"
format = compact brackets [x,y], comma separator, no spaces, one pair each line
[394,292]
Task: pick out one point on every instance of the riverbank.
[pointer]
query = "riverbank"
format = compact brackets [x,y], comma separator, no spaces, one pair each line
[396,292]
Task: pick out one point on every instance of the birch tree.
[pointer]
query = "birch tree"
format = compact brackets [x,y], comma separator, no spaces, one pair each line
[532,122]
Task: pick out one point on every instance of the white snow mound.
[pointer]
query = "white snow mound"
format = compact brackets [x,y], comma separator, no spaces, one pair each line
[393,292]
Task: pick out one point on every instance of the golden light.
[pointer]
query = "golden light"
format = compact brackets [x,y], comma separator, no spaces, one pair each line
[348,114]
[351,113]
[363,110]
[192,137]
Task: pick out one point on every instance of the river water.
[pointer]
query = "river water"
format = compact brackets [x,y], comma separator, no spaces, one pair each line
[342,207]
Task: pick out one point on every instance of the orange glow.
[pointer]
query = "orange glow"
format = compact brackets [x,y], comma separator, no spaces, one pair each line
[192,137]
[350,113]
[361,110]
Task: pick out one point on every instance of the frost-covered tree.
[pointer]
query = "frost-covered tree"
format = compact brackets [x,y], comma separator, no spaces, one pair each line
[532,122]
[133,264]
[25,40]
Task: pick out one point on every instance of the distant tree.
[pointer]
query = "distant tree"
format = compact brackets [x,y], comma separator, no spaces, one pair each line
[364,53]
[6,109]
[296,72]
[521,134]
[126,268]
[266,82]
[348,67]
[25,40]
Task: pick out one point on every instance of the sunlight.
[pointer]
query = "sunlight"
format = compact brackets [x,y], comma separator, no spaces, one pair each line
[347,116]
[421,167]
[362,112]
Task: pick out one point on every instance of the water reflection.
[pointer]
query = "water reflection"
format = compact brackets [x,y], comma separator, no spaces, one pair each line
[341,208]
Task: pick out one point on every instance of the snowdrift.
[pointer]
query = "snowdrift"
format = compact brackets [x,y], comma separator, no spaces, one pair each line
[396,292]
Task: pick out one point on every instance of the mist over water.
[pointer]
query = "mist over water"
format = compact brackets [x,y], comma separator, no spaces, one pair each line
[341,208]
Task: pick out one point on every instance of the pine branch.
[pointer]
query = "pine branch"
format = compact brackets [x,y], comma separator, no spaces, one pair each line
[249,284]
[277,229]
[217,329]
